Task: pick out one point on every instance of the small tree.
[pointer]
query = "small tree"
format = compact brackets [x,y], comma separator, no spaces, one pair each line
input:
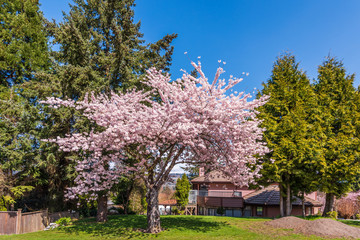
[346,208]
[349,205]
[194,123]
[182,191]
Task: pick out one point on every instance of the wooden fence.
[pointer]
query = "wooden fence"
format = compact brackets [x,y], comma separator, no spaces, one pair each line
[16,222]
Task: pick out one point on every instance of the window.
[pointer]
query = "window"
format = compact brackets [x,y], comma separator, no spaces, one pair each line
[211,212]
[237,213]
[229,212]
[247,211]
[259,211]
[201,211]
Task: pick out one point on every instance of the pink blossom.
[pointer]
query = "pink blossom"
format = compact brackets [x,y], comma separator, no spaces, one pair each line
[195,123]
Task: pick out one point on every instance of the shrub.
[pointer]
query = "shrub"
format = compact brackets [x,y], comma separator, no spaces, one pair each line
[347,208]
[220,211]
[332,214]
[64,221]
[319,213]
[357,216]
[177,211]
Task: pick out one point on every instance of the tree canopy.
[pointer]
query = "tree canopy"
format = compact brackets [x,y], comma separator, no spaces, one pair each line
[195,123]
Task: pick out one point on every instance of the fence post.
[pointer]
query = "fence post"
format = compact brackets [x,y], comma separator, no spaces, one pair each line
[47,217]
[18,221]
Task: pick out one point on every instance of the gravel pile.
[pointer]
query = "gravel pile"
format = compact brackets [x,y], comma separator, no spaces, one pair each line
[321,227]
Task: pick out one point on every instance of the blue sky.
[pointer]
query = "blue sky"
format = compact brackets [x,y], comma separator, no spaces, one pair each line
[248,34]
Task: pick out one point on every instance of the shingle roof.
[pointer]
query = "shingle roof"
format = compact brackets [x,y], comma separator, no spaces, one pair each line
[167,199]
[212,177]
[271,196]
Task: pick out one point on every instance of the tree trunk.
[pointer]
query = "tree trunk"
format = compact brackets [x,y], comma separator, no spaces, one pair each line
[127,198]
[281,189]
[329,203]
[101,215]
[288,200]
[303,204]
[153,213]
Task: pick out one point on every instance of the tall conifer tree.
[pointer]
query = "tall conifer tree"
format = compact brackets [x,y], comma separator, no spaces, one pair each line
[339,119]
[289,122]
[182,191]
[100,50]
[23,52]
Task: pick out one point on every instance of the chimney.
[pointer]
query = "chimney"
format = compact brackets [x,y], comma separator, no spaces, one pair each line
[201,171]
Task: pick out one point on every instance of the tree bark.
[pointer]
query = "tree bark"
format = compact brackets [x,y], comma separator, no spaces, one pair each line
[281,189]
[101,215]
[153,213]
[288,200]
[329,203]
[303,204]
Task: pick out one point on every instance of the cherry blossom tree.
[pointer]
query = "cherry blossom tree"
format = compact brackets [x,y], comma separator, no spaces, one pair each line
[195,123]
[348,205]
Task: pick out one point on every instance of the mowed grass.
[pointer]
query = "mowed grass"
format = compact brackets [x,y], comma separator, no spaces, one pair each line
[176,227]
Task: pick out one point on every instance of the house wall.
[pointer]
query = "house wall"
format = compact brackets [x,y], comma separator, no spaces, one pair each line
[250,210]
[312,195]
[268,211]
[221,186]
[224,187]
[274,211]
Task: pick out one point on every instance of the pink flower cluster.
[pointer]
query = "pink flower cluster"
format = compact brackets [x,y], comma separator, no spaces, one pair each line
[194,123]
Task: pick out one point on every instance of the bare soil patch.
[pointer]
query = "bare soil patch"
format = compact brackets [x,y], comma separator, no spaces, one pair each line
[323,227]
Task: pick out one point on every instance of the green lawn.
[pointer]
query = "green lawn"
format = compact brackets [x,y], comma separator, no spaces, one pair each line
[177,227]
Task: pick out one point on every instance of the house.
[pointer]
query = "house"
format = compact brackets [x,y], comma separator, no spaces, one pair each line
[216,191]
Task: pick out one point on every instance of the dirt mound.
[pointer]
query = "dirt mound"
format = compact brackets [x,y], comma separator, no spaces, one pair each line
[287,222]
[321,227]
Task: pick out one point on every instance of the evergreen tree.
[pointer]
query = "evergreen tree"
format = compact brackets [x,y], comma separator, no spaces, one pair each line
[182,190]
[23,51]
[23,45]
[289,120]
[337,99]
[100,50]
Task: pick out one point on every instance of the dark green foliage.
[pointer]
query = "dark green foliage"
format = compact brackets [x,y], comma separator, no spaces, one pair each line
[220,211]
[23,45]
[23,51]
[86,208]
[100,49]
[122,191]
[182,190]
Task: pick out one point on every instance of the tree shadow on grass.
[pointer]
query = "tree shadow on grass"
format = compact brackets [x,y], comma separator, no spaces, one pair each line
[192,223]
[131,226]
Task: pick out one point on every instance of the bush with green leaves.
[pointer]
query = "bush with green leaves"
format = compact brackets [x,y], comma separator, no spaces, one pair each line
[332,214]
[64,221]
[220,211]
[177,211]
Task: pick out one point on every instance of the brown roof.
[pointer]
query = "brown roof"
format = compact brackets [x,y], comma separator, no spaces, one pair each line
[167,199]
[169,202]
[212,177]
[271,196]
